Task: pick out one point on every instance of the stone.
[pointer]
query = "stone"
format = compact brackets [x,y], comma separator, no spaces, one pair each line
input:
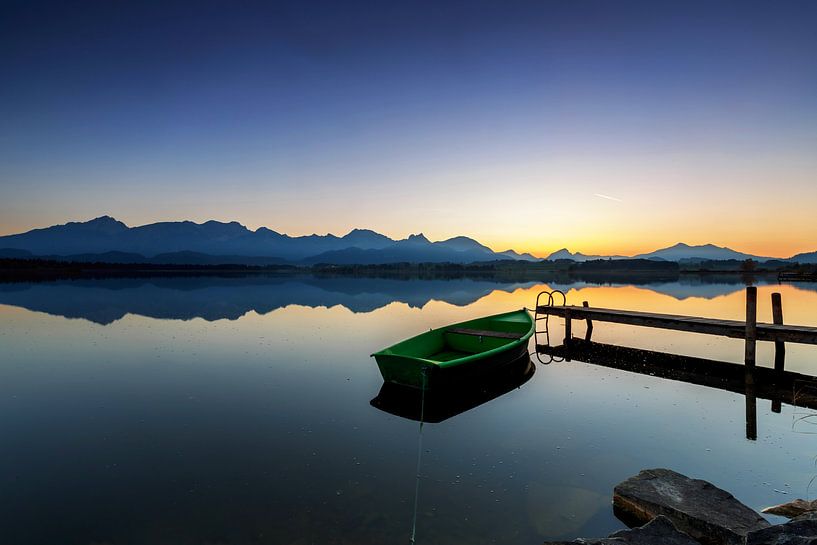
[800,531]
[659,531]
[792,509]
[707,513]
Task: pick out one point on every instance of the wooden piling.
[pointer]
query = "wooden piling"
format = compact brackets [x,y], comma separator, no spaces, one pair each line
[777,319]
[568,326]
[751,326]
[589,332]
[751,404]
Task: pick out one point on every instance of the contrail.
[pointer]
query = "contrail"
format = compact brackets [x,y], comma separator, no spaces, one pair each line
[608,197]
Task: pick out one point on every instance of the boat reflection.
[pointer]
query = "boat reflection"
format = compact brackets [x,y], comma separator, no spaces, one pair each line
[444,402]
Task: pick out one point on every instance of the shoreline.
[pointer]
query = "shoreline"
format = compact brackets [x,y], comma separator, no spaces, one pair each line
[40,270]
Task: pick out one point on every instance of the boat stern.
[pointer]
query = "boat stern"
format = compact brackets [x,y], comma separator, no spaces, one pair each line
[404,370]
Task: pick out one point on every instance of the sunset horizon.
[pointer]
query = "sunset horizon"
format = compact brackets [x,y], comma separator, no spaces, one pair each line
[614,249]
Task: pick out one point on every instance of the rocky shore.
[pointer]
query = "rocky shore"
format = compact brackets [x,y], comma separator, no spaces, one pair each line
[664,507]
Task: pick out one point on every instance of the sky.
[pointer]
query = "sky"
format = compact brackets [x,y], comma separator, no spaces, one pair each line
[601,126]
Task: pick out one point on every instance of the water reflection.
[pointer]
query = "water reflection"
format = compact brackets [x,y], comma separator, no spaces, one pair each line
[217,297]
[260,430]
[709,286]
[776,385]
[230,297]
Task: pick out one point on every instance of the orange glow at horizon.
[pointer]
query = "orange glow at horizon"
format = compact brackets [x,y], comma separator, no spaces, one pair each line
[621,205]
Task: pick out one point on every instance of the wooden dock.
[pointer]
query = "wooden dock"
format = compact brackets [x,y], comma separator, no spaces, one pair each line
[735,329]
[749,330]
[792,276]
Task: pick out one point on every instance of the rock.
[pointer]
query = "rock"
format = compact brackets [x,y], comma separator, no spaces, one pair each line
[659,531]
[702,510]
[800,531]
[792,509]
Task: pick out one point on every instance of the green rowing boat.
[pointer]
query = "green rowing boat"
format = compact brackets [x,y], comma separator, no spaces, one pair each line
[458,351]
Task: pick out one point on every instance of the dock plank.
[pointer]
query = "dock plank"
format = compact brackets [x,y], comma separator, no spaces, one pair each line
[711,326]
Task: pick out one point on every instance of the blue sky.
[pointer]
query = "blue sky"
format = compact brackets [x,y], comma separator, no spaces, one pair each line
[498,120]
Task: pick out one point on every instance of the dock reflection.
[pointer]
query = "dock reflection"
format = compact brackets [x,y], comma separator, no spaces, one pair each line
[754,383]
[446,402]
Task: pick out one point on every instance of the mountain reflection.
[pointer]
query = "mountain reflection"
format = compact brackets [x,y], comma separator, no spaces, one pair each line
[702,286]
[215,298]
[104,301]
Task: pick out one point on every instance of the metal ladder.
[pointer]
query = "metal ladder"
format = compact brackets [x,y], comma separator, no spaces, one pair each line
[550,297]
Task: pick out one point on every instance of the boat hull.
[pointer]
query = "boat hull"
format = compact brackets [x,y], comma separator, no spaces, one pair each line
[458,352]
[442,403]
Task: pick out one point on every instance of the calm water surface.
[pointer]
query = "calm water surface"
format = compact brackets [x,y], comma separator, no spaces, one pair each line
[236,410]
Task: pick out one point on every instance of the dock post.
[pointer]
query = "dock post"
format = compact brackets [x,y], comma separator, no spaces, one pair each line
[589,332]
[779,346]
[751,404]
[568,326]
[751,346]
[751,326]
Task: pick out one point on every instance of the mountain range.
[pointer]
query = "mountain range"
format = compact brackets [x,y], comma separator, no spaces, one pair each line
[213,242]
[684,253]
[106,239]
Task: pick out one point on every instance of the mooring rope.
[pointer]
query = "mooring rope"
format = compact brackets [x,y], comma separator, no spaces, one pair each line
[424,373]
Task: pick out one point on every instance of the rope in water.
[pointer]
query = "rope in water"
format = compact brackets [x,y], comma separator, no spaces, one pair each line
[424,373]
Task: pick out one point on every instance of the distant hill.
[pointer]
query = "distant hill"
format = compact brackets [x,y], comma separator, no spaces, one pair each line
[809,257]
[511,254]
[682,253]
[704,252]
[579,257]
[213,242]
[414,249]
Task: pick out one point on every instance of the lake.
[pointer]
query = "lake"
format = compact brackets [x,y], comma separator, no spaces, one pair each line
[229,409]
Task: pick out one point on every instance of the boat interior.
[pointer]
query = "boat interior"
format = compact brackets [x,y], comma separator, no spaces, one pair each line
[465,339]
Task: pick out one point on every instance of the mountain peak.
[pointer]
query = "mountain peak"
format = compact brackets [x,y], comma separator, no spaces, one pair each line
[564,253]
[266,230]
[364,233]
[358,231]
[420,237]
[701,252]
[524,256]
[102,223]
[464,244]
[366,239]
[104,219]
[685,246]
[224,225]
